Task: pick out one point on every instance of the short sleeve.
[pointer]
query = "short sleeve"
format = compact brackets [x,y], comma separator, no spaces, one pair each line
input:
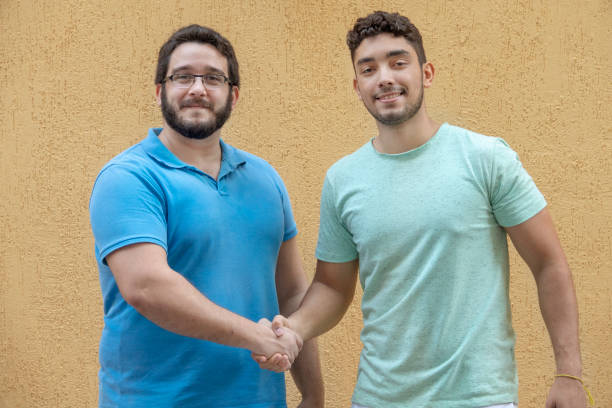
[513,193]
[126,208]
[335,242]
[289,222]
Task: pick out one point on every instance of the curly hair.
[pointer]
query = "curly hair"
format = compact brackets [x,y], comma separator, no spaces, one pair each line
[382,22]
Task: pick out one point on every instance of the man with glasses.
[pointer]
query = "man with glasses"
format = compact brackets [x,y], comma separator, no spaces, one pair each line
[195,241]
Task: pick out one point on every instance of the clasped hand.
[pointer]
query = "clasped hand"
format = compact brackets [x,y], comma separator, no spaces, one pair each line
[282,348]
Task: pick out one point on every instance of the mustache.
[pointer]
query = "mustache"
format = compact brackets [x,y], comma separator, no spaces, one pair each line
[196,102]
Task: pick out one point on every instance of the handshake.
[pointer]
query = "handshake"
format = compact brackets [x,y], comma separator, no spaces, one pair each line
[279,346]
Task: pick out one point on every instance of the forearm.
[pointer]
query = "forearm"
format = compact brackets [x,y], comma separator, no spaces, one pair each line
[560,313]
[322,308]
[306,369]
[306,373]
[165,297]
[171,302]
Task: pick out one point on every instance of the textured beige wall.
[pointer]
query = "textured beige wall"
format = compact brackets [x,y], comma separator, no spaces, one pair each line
[76,80]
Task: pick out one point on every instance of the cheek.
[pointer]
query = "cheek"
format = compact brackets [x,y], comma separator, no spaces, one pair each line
[364,89]
[175,101]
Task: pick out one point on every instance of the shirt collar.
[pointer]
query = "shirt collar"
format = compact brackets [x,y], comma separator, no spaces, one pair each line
[231,158]
[156,149]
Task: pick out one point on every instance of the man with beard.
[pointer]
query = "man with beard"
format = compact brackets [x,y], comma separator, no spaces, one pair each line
[195,241]
[422,211]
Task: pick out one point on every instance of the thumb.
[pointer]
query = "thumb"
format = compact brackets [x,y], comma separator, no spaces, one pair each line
[259,358]
[278,323]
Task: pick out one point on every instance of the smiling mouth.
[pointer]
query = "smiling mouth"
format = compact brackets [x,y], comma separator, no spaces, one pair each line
[196,104]
[387,96]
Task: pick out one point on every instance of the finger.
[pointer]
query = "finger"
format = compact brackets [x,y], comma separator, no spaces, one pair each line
[280,363]
[276,359]
[284,363]
[259,358]
[275,363]
[278,323]
[297,339]
[265,322]
[278,328]
[280,320]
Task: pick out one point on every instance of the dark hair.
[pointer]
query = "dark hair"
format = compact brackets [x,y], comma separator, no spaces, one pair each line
[204,35]
[382,22]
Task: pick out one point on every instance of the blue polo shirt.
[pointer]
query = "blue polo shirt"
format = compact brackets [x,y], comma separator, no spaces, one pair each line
[223,236]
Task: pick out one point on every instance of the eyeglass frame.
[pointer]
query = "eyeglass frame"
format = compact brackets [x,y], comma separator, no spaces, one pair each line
[201,76]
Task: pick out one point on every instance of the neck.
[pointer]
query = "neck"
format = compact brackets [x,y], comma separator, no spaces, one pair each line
[414,132]
[204,154]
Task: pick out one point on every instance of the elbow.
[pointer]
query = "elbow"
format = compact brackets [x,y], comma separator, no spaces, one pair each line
[134,295]
[134,298]
[140,272]
[289,303]
[137,293]
[554,276]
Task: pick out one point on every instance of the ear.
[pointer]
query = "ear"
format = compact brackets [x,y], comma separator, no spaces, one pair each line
[356,88]
[428,74]
[158,94]
[235,94]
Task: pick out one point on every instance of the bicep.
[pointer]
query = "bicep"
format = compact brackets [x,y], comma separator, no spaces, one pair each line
[536,241]
[290,278]
[340,276]
[133,266]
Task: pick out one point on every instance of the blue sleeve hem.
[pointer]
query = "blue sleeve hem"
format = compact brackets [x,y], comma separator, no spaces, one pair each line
[130,241]
[290,234]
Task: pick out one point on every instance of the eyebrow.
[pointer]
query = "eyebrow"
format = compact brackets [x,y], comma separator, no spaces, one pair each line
[397,52]
[389,54]
[208,68]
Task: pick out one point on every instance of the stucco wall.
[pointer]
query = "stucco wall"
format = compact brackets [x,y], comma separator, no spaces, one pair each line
[76,80]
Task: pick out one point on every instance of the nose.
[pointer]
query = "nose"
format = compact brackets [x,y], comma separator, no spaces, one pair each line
[385,77]
[198,87]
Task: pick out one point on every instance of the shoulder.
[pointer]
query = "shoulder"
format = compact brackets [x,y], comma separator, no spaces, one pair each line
[352,164]
[472,140]
[476,148]
[131,165]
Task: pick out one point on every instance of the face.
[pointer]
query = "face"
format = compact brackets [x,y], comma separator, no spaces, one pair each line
[196,112]
[389,78]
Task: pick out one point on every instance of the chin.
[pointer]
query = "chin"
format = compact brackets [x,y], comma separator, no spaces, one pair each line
[199,120]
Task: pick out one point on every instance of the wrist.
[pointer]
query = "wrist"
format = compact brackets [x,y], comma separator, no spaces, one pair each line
[295,324]
[254,339]
[574,369]
[313,401]
[314,396]
[568,361]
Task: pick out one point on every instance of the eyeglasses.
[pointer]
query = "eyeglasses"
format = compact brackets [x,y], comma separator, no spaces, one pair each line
[210,81]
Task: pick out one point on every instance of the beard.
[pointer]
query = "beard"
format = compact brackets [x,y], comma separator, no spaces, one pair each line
[396,118]
[197,129]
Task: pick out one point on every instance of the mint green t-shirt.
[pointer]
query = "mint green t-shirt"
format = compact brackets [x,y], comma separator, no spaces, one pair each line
[427,227]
